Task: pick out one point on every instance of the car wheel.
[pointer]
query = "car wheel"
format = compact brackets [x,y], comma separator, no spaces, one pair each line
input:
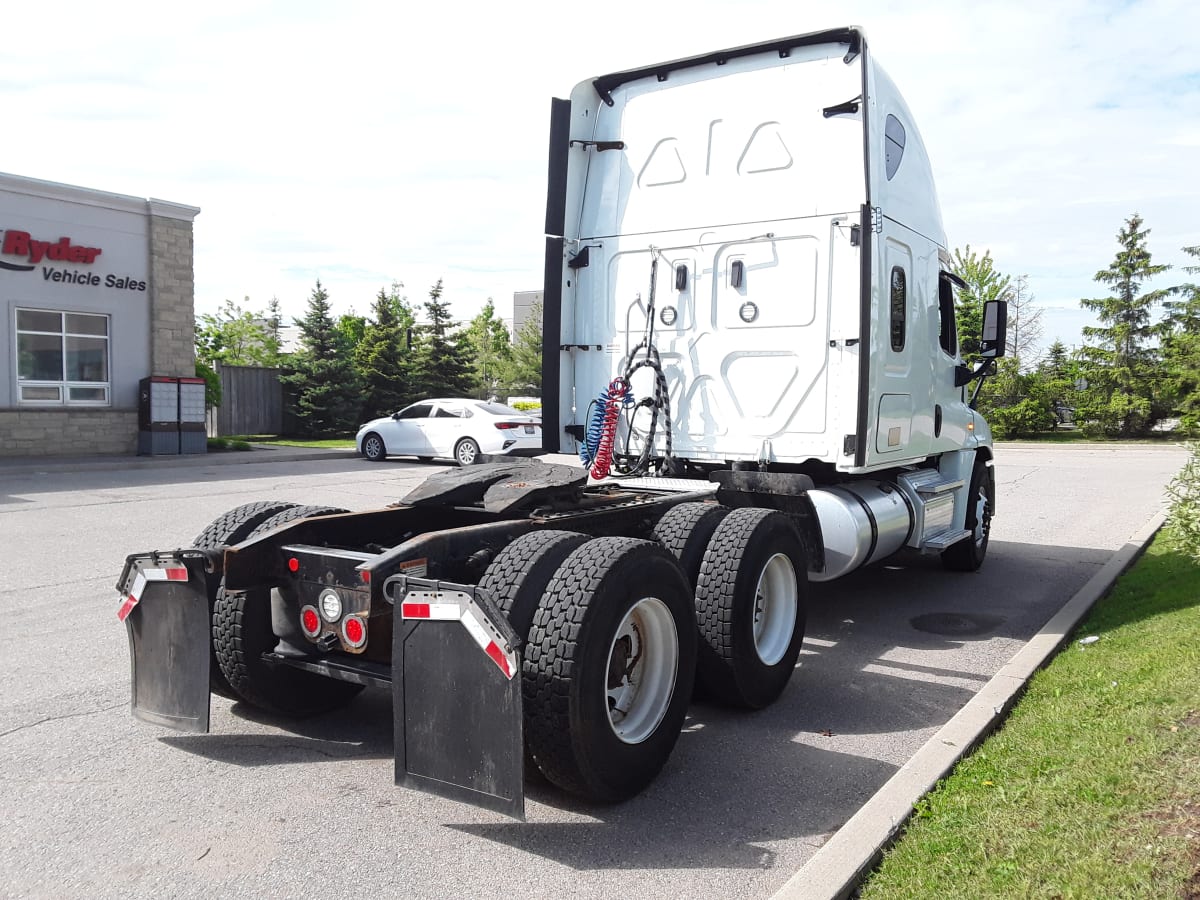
[373,448]
[466,452]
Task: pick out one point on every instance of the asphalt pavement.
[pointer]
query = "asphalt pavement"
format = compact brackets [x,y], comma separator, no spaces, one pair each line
[852,846]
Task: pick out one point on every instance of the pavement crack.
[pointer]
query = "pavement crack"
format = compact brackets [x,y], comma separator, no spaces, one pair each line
[74,715]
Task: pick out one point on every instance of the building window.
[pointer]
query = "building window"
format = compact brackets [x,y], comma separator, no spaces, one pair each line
[899,308]
[62,358]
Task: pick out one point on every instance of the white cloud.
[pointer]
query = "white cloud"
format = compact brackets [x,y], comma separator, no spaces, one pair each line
[368,142]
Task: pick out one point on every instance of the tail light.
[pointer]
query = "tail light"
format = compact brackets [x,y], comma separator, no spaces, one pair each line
[310,621]
[508,426]
[354,631]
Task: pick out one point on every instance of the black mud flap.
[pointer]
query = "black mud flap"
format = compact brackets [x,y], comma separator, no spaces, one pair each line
[164,604]
[456,695]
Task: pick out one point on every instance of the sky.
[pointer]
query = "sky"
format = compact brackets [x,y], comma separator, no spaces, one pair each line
[367,143]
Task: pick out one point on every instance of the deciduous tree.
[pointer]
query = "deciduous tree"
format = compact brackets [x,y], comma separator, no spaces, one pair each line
[490,351]
[984,283]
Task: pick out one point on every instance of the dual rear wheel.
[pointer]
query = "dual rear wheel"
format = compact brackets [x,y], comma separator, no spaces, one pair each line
[617,629]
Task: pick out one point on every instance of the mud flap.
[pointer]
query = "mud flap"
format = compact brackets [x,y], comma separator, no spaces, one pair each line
[166,614]
[456,695]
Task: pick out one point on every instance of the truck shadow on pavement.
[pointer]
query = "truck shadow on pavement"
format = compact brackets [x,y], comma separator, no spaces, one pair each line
[891,654]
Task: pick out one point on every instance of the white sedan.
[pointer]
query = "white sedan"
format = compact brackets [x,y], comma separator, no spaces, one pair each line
[461,429]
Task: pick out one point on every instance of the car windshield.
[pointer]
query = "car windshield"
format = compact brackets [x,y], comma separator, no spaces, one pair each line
[499,409]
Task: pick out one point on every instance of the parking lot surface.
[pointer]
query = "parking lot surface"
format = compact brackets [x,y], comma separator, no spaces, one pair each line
[96,804]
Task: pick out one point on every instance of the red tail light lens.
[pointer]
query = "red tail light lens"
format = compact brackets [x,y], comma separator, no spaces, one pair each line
[310,621]
[354,631]
[508,426]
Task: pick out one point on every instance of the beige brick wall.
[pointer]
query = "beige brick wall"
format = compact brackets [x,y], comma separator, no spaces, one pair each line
[67,432]
[172,314]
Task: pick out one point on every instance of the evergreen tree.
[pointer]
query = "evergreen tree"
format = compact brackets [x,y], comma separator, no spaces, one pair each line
[326,388]
[440,364]
[525,369]
[1056,361]
[984,283]
[1181,347]
[382,354]
[490,350]
[1125,369]
[275,323]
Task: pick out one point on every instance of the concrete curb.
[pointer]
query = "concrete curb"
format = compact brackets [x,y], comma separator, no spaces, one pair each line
[836,869]
[260,454]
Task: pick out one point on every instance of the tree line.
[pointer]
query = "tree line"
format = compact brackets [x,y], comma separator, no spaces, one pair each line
[353,368]
[1136,369]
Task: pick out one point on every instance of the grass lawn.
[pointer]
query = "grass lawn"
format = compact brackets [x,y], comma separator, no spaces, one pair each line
[1091,788]
[346,443]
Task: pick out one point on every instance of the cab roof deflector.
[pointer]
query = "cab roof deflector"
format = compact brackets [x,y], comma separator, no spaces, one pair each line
[852,37]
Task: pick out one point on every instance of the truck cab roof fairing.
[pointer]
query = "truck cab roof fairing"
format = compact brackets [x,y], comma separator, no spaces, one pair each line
[852,37]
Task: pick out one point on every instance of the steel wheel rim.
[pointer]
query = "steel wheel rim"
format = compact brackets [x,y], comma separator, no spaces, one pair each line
[466,453]
[643,660]
[983,519]
[776,600]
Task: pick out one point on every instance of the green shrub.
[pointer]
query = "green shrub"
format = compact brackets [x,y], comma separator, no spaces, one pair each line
[1184,515]
[525,405]
[1023,419]
[240,445]
[1115,415]
[218,444]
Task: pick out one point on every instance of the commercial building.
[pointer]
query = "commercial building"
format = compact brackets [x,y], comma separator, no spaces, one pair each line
[96,294]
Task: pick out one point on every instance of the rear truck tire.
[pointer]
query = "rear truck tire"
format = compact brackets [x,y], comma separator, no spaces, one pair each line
[373,448]
[750,608]
[608,669]
[968,554]
[518,576]
[233,527]
[517,580]
[685,531]
[466,452]
[243,631]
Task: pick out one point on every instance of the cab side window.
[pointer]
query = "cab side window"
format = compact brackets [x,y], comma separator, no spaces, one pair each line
[899,305]
[947,331]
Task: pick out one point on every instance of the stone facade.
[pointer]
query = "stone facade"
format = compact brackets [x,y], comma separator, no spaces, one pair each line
[68,432]
[172,313]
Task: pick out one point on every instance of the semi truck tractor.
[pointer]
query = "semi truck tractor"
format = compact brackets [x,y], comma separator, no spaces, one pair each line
[749,340]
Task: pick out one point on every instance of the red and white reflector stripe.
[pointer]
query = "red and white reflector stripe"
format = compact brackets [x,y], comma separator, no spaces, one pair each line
[450,606]
[439,612]
[163,573]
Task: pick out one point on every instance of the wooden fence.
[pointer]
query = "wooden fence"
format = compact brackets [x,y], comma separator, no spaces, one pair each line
[251,402]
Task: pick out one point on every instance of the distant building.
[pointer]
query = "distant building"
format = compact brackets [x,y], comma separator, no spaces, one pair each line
[523,303]
[96,297]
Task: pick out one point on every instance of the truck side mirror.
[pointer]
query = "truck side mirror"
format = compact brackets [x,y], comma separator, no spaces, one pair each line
[993,341]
